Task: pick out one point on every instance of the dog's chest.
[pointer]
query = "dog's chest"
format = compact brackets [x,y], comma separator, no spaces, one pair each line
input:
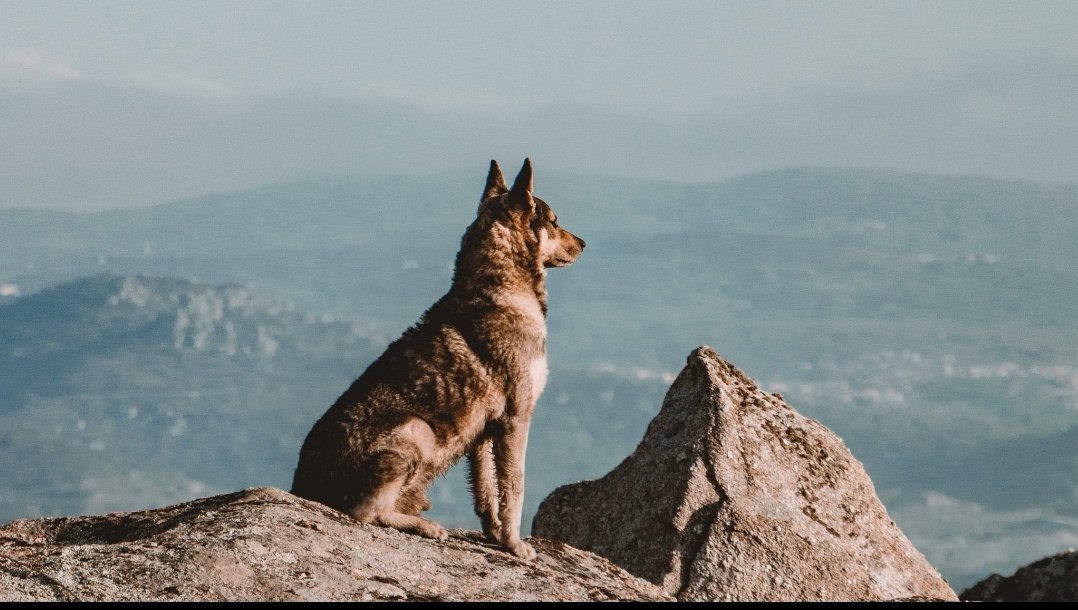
[528,338]
[537,373]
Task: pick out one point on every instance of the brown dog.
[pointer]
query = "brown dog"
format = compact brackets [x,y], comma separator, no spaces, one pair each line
[463,381]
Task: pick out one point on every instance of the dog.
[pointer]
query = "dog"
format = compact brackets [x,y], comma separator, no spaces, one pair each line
[464,380]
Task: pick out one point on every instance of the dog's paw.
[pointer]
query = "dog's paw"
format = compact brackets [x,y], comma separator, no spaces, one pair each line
[521,549]
[431,529]
[491,532]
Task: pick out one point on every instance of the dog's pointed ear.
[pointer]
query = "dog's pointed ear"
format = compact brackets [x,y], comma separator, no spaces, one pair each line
[495,182]
[521,192]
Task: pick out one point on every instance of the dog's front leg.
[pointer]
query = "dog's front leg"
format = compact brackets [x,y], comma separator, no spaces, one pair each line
[482,477]
[509,451]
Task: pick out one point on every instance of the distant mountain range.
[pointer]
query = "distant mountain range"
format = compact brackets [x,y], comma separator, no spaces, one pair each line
[928,320]
[804,250]
[121,390]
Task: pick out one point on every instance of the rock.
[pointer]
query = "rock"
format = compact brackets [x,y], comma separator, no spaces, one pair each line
[1053,579]
[263,544]
[733,495]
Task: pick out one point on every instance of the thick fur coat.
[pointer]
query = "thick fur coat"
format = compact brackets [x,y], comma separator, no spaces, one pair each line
[463,381]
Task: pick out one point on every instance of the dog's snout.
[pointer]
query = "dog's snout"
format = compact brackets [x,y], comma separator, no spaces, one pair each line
[582,244]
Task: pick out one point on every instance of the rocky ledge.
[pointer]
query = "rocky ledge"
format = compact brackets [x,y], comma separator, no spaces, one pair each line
[1052,579]
[266,544]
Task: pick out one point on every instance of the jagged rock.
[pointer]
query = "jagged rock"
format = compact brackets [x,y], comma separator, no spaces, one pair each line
[1052,579]
[265,544]
[733,495]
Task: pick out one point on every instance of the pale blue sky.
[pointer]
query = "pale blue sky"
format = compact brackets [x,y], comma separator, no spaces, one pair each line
[129,103]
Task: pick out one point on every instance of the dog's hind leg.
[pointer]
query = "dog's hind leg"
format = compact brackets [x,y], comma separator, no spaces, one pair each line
[380,507]
[413,500]
[395,471]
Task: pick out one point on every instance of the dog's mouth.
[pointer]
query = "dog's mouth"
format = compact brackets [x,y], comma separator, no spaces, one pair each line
[559,261]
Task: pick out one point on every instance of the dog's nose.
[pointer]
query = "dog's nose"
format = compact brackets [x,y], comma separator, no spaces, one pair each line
[582,244]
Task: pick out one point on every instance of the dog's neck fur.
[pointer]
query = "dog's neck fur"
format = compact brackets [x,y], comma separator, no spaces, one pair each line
[512,272]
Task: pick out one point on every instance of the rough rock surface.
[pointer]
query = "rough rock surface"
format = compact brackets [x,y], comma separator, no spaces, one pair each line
[1052,579]
[265,544]
[732,495]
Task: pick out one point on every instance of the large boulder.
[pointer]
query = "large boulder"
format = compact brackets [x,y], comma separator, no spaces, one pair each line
[1052,579]
[265,544]
[733,495]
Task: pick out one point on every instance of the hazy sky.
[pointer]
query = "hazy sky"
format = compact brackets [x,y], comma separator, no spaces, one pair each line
[106,104]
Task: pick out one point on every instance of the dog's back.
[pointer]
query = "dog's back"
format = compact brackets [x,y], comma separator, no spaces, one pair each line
[462,381]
